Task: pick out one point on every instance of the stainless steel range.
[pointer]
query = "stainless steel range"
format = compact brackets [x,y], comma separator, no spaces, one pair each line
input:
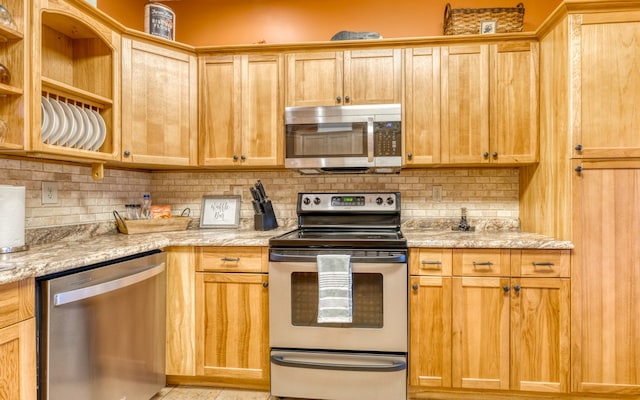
[338,300]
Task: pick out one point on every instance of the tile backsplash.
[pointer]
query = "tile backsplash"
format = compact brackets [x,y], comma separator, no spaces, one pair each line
[487,193]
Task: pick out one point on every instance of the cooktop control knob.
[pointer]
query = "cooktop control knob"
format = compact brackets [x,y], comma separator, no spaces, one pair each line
[316,201]
[390,200]
[306,201]
[379,200]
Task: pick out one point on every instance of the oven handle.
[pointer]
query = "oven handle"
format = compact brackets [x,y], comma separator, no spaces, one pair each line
[396,258]
[395,366]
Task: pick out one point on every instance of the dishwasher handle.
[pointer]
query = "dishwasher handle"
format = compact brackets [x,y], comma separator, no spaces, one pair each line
[71,296]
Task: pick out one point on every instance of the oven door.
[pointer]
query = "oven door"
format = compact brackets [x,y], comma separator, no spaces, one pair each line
[379,321]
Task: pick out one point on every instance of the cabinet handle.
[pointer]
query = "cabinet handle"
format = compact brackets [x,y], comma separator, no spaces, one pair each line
[506,289]
[235,157]
[410,156]
[516,288]
[127,153]
[495,154]
[485,154]
[346,99]
[578,169]
[542,264]
[265,284]
[243,157]
[482,264]
[415,286]
[578,147]
[338,99]
[233,259]
[425,262]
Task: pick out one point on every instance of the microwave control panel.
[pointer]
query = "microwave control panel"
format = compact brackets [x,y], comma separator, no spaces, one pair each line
[387,139]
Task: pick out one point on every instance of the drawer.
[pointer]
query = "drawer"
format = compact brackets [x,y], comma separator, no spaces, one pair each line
[16,302]
[481,262]
[233,259]
[541,263]
[430,261]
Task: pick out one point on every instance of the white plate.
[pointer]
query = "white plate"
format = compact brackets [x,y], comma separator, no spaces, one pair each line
[62,119]
[44,125]
[53,120]
[88,131]
[71,131]
[102,131]
[95,129]
[77,115]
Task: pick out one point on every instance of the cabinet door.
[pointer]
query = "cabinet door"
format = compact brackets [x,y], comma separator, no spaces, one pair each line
[513,111]
[220,106]
[540,326]
[606,279]
[422,106]
[241,117]
[430,331]
[18,360]
[314,79]
[480,331]
[465,104]
[372,76]
[606,72]
[159,113]
[232,326]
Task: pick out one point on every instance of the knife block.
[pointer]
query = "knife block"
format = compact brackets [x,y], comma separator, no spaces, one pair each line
[266,221]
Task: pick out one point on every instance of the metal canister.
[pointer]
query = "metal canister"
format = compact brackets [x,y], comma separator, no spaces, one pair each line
[159,20]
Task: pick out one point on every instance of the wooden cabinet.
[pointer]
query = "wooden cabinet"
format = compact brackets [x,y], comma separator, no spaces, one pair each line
[490,103]
[17,341]
[430,318]
[605,56]
[326,78]
[14,93]
[500,322]
[422,106]
[159,104]
[241,110]
[232,315]
[606,279]
[76,61]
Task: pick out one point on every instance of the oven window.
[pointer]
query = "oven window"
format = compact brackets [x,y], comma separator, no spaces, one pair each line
[367,301]
[327,140]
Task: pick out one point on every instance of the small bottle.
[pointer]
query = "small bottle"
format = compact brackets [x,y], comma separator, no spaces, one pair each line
[146,206]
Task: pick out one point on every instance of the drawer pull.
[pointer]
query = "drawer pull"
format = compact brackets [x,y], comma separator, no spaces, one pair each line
[482,263]
[542,264]
[431,264]
[230,259]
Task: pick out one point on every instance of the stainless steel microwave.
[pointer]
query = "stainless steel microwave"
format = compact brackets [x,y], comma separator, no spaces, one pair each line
[344,139]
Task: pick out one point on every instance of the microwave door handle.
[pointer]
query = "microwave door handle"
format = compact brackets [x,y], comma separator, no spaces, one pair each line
[370,138]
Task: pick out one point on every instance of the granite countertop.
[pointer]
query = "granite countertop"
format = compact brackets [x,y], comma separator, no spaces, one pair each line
[59,256]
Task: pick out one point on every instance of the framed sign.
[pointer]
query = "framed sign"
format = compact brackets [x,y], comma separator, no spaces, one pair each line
[487,27]
[220,212]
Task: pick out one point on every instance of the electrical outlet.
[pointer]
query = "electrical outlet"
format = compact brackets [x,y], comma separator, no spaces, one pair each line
[49,193]
[237,190]
[437,193]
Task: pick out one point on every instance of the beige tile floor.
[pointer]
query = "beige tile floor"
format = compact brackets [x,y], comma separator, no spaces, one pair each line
[200,393]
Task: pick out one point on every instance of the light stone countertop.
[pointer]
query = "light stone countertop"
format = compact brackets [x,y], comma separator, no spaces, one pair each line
[59,256]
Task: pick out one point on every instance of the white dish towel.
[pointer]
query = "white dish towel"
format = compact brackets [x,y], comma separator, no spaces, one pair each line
[334,288]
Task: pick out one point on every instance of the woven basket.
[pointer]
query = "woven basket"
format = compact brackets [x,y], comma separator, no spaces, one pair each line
[467,21]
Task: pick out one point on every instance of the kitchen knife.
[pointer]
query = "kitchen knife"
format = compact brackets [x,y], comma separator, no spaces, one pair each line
[261,192]
[257,204]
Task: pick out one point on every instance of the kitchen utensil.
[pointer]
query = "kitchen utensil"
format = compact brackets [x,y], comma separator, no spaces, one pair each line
[62,122]
[53,121]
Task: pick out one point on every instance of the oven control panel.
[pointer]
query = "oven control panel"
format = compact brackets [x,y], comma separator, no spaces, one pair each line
[331,202]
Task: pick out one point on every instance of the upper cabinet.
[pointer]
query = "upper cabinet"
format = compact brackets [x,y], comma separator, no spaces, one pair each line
[241,110]
[489,102]
[75,67]
[159,104]
[422,106]
[14,45]
[604,113]
[326,78]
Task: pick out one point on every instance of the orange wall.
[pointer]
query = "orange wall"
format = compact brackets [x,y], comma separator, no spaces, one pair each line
[229,22]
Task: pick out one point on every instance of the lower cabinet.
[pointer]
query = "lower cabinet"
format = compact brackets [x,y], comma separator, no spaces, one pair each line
[17,341]
[217,316]
[503,315]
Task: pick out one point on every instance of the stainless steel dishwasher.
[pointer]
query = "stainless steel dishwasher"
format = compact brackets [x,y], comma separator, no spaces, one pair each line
[101,330]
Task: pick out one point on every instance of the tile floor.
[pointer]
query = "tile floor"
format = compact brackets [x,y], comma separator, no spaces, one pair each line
[201,393]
